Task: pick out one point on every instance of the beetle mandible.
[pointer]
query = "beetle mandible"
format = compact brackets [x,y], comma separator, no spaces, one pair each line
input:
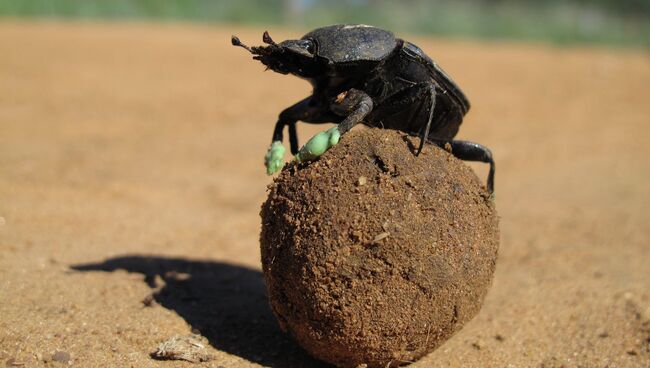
[363,74]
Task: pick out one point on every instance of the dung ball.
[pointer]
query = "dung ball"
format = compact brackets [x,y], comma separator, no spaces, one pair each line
[374,256]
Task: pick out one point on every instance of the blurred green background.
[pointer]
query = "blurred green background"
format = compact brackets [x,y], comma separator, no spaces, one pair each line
[612,22]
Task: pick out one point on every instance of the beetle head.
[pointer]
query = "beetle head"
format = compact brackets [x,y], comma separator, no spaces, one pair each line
[290,56]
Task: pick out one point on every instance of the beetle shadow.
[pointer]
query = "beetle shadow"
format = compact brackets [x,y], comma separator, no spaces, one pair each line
[223,302]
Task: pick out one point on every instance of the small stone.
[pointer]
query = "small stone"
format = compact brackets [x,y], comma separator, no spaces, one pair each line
[362,181]
[46,358]
[478,345]
[357,235]
[61,357]
[380,237]
[189,348]
[148,300]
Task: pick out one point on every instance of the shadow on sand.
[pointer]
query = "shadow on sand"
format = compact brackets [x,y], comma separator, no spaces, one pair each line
[225,303]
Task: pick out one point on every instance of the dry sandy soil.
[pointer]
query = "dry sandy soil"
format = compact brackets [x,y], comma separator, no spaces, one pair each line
[131,164]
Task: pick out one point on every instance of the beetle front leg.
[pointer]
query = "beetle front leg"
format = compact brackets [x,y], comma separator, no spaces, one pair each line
[357,104]
[307,110]
[303,110]
[293,138]
[278,135]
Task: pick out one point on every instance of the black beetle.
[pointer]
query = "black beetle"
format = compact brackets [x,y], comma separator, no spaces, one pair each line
[362,73]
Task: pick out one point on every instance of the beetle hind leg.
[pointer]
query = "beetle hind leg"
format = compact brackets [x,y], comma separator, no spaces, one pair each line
[470,151]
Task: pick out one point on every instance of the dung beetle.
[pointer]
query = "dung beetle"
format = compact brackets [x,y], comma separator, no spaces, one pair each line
[361,73]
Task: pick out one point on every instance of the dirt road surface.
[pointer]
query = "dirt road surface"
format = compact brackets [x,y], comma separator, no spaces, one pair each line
[131,175]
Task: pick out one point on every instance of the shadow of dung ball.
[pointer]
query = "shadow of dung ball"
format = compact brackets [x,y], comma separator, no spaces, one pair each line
[375,256]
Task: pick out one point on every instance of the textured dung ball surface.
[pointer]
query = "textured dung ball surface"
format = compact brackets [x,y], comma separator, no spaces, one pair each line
[372,255]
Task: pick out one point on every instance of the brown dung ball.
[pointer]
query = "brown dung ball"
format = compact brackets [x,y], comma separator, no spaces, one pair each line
[375,256]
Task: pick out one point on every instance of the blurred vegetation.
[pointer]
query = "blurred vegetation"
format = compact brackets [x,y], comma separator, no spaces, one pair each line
[616,22]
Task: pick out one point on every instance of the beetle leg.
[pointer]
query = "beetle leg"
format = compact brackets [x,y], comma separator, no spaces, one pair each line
[274,158]
[401,101]
[413,101]
[293,138]
[290,116]
[470,151]
[358,105]
[304,110]
[424,134]
[278,135]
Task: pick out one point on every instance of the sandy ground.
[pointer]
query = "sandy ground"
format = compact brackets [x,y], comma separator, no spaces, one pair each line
[131,164]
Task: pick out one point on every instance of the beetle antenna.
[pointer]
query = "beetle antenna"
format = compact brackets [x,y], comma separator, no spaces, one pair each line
[236,42]
[267,39]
